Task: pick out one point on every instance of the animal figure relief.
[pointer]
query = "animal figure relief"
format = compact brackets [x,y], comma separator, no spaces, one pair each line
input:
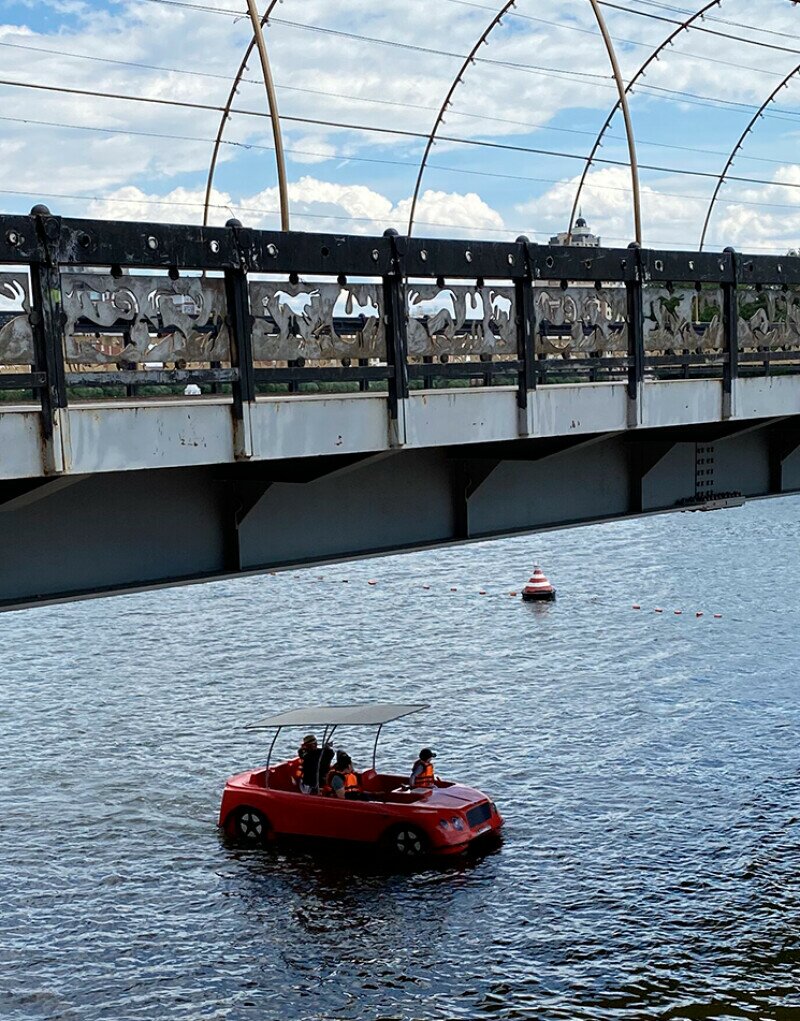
[682,319]
[325,321]
[16,334]
[775,322]
[461,320]
[581,320]
[145,319]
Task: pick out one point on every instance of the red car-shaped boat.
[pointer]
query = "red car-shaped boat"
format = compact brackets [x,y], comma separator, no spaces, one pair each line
[408,823]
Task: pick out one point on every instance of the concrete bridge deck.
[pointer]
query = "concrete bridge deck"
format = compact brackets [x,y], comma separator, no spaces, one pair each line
[117,435]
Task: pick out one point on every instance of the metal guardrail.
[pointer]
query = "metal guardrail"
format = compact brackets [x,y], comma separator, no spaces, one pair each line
[111,306]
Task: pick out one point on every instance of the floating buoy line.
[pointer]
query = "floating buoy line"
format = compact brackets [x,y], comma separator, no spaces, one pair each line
[538,589]
[678,613]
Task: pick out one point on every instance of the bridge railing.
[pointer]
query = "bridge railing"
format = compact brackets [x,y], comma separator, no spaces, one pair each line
[94,308]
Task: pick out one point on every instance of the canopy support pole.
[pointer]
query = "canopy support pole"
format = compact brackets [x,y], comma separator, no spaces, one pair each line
[269,756]
[375,746]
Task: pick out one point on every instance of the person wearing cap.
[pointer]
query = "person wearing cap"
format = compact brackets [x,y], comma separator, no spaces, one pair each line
[342,780]
[422,774]
[315,764]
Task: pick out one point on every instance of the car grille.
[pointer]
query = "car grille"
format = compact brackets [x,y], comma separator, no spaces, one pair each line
[478,814]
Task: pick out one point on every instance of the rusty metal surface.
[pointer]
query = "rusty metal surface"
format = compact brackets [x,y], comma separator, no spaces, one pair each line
[460,319]
[134,319]
[682,319]
[316,321]
[16,336]
[581,320]
[769,318]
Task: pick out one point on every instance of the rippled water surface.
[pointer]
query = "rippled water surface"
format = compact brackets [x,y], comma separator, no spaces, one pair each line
[647,766]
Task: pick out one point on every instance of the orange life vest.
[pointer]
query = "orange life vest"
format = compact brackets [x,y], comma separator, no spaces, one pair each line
[297,770]
[350,780]
[426,777]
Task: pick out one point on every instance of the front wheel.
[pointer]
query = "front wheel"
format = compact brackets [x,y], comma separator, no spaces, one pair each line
[249,827]
[406,842]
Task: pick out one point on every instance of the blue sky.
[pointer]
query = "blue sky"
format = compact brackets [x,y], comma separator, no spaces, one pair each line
[542,82]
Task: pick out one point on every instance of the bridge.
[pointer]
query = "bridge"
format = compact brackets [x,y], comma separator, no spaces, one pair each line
[185,402]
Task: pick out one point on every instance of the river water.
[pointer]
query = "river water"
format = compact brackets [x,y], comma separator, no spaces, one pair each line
[647,766]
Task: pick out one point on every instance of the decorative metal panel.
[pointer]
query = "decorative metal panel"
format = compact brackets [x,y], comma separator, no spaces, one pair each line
[682,319]
[16,336]
[135,319]
[769,318]
[581,320]
[324,321]
[461,320]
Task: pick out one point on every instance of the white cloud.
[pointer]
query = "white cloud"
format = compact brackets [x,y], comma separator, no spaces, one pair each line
[438,209]
[759,217]
[315,205]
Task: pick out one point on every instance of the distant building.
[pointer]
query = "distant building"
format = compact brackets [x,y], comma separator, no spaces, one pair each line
[581,236]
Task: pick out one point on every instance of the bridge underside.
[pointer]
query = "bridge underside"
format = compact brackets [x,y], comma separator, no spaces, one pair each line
[109,531]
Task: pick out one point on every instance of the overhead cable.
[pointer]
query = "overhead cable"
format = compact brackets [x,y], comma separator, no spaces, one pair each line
[374,129]
[345,158]
[564,27]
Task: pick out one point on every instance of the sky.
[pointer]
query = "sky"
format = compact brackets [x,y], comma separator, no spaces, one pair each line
[534,98]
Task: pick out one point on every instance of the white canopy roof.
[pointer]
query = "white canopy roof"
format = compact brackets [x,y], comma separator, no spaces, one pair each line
[366,714]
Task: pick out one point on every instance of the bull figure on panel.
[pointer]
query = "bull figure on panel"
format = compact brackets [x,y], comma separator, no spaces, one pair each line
[16,336]
[460,320]
[305,321]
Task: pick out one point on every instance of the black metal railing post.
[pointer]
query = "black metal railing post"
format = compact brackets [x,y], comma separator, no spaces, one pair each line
[240,323]
[526,327]
[394,302]
[635,307]
[730,322]
[47,321]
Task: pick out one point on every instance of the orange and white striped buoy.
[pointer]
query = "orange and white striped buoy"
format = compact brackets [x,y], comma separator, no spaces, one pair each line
[538,588]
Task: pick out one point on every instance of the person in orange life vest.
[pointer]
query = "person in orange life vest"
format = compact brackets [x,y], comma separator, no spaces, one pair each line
[342,779]
[422,774]
[296,766]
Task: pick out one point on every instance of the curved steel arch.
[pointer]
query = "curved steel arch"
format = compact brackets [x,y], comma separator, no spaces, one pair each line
[652,57]
[737,147]
[440,115]
[226,113]
[622,101]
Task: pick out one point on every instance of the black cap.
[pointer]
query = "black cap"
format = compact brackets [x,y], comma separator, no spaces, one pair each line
[426,754]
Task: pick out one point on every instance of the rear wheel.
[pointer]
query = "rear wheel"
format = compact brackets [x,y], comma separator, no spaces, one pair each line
[406,842]
[249,827]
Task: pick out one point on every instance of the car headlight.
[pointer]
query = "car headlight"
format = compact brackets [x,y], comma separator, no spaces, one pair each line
[444,824]
[457,823]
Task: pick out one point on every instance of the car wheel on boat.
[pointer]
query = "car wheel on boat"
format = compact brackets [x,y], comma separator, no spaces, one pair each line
[248,826]
[406,842]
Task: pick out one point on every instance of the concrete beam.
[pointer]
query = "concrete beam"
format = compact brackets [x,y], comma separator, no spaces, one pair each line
[15,495]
